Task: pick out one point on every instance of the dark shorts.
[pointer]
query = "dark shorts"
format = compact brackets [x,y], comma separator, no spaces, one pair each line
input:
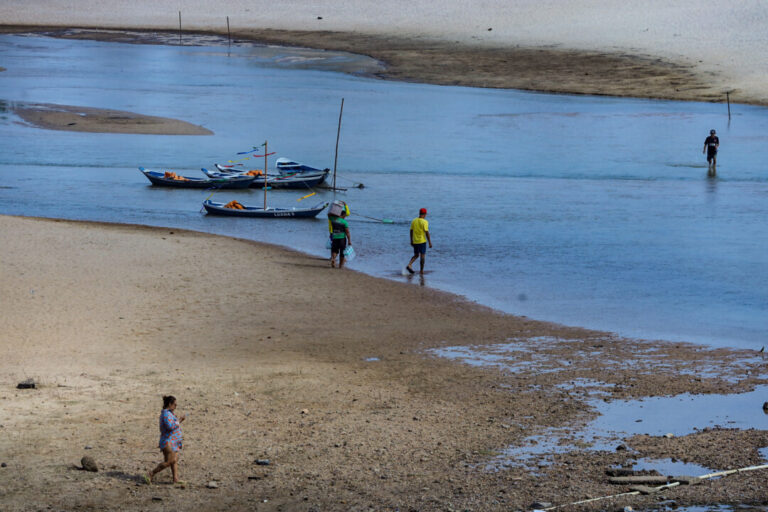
[419,249]
[711,153]
[338,244]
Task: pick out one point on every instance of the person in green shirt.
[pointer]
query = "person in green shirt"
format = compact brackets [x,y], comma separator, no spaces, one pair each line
[419,239]
[340,237]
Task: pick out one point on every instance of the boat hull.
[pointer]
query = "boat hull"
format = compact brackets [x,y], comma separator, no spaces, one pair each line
[235,182]
[287,180]
[259,212]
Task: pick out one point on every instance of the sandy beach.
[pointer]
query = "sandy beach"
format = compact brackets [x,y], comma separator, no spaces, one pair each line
[274,355]
[328,374]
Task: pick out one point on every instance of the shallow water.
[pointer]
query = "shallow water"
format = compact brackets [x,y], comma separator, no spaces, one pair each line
[617,420]
[582,210]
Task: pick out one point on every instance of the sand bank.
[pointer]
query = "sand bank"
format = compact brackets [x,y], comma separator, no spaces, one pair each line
[99,120]
[658,48]
[276,356]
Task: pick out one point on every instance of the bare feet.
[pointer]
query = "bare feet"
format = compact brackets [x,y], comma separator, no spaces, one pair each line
[409,269]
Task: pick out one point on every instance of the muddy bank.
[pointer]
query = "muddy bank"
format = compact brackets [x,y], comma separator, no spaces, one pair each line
[545,69]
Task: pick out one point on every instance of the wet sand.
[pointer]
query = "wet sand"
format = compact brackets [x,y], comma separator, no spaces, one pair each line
[323,372]
[416,60]
[101,120]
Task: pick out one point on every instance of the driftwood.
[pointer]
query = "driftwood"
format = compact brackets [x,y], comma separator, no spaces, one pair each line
[687,480]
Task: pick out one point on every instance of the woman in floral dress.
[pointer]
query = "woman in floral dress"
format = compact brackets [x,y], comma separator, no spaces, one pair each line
[170,439]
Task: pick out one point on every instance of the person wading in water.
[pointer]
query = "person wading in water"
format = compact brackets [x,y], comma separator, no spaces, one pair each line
[711,144]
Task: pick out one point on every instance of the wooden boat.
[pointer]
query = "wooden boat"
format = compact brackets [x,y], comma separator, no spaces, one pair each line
[286,166]
[168,179]
[235,209]
[307,179]
[261,212]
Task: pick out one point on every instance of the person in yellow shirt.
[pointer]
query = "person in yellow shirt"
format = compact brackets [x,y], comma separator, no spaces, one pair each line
[419,239]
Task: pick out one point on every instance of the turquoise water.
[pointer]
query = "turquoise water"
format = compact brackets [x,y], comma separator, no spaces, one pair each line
[582,210]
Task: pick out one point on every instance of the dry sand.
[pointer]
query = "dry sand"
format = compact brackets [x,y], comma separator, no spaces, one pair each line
[274,355]
[269,351]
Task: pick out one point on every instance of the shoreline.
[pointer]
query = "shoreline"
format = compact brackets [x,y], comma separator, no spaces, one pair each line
[335,406]
[326,375]
[438,62]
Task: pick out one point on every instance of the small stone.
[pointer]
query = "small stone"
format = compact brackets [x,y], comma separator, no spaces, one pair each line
[621,447]
[541,505]
[157,498]
[3,465]
[262,462]
[669,435]
[305,411]
[212,485]
[26,384]
[89,464]
[88,447]
[765,406]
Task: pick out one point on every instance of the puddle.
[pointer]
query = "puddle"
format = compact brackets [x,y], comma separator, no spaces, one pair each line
[668,467]
[682,414]
[679,415]
[514,357]
[537,355]
[371,359]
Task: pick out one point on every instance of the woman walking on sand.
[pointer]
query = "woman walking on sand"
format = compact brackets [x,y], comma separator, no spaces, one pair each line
[170,440]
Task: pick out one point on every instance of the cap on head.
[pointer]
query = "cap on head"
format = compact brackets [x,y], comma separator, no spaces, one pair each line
[711,132]
[423,211]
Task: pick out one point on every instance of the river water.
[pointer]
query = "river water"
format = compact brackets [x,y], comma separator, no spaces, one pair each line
[588,211]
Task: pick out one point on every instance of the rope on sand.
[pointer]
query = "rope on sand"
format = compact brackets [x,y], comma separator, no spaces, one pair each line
[662,487]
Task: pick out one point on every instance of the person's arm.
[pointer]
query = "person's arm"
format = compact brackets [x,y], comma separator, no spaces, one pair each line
[705,147]
[411,239]
[349,238]
[428,239]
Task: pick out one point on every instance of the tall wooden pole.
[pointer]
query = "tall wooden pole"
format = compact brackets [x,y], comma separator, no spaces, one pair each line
[179,28]
[265,175]
[728,99]
[336,155]
[229,35]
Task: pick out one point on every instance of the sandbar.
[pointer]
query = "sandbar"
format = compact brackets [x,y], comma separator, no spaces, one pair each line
[102,120]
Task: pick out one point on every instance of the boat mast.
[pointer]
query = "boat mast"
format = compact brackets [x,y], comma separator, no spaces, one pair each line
[336,155]
[265,175]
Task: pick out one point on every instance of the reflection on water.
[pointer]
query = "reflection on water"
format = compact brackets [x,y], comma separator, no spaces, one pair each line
[587,211]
